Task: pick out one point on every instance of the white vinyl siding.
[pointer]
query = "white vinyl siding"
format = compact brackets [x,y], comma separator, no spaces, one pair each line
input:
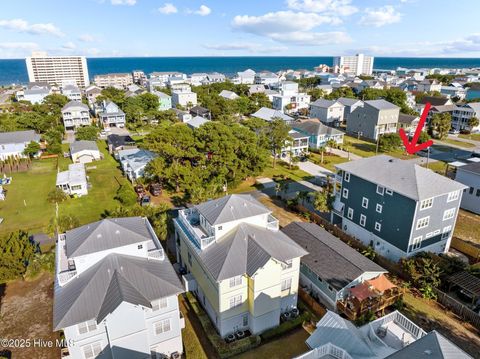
[286,284]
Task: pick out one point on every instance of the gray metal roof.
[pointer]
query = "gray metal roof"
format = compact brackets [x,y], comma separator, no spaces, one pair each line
[382,104]
[246,249]
[315,127]
[75,105]
[328,257]
[115,279]
[269,114]
[340,332]
[18,137]
[348,101]
[404,177]
[82,145]
[325,103]
[471,167]
[106,234]
[231,208]
[407,119]
[432,345]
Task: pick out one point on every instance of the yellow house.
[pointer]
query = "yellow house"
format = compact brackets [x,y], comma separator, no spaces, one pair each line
[242,268]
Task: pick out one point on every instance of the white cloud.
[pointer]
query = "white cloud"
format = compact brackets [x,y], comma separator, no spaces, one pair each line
[69,46]
[20,25]
[281,22]
[168,8]
[123,2]
[87,38]
[203,10]
[250,47]
[380,16]
[333,7]
[15,50]
[292,27]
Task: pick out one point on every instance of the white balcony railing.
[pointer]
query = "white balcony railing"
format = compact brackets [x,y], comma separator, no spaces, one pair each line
[194,233]
[324,350]
[156,254]
[65,276]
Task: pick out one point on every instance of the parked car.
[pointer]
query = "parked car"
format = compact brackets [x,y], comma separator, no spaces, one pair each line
[155,189]
[454,132]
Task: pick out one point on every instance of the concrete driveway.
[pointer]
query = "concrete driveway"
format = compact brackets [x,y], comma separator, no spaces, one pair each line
[314,169]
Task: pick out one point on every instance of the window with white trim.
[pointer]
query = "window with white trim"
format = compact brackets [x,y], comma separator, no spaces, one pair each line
[429,234]
[286,284]
[288,264]
[346,176]
[452,196]
[379,208]
[87,327]
[235,301]
[345,193]
[416,243]
[378,226]
[389,192]
[159,304]
[350,213]
[436,232]
[426,203]
[446,232]
[92,350]
[363,219]
[162,326]
[380,190]
[365,202]
[449,214]
[423,222]
[235,281]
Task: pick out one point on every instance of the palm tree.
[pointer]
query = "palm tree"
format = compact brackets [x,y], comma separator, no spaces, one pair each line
[278,188]
[302,196]
[331,143]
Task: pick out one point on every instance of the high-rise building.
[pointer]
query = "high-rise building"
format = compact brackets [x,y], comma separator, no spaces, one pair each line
[57,69]
[357,65]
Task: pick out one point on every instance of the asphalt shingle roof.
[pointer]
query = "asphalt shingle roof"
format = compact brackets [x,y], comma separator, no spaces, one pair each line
[18,137]
[82,145]
[328,257]
[404,177]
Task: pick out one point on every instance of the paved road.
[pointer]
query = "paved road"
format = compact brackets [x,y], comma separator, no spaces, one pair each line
[345,154]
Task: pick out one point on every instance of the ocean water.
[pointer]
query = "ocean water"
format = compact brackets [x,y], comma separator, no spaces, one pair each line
[15,71]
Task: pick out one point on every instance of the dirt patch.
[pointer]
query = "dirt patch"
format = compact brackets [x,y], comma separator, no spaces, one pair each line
[283,215]
[26,313]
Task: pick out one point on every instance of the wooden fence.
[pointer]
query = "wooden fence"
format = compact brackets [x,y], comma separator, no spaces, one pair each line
[466,248]
[312,303]
[458,308]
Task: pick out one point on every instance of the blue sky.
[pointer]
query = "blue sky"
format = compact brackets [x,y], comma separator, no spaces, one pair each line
[240,27]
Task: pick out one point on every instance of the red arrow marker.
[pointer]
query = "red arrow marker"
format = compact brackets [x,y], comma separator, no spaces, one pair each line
[412,147]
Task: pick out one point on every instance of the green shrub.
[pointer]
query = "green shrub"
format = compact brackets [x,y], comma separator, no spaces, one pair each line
[285,326]
[41,262]
[224,349]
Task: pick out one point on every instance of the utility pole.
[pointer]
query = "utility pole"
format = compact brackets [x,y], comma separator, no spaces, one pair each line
[428,155]
[378,142]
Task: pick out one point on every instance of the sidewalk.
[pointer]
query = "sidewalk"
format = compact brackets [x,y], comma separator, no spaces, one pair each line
[345,154]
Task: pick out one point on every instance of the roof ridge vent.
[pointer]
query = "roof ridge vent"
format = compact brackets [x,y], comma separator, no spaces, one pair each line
[117,231]
[99,235]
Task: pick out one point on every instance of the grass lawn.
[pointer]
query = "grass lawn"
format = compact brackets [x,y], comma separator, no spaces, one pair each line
[457,143]
[468,226]
[105,178]
[438,167]
[26,205]
[472,136]
[430,315]
[286,346]
[281,168]
[368,149]
[329,161]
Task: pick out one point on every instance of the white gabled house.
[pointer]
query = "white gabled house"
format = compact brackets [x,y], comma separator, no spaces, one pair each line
[116,292]
[73,181]
[84,151]
[12,144]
